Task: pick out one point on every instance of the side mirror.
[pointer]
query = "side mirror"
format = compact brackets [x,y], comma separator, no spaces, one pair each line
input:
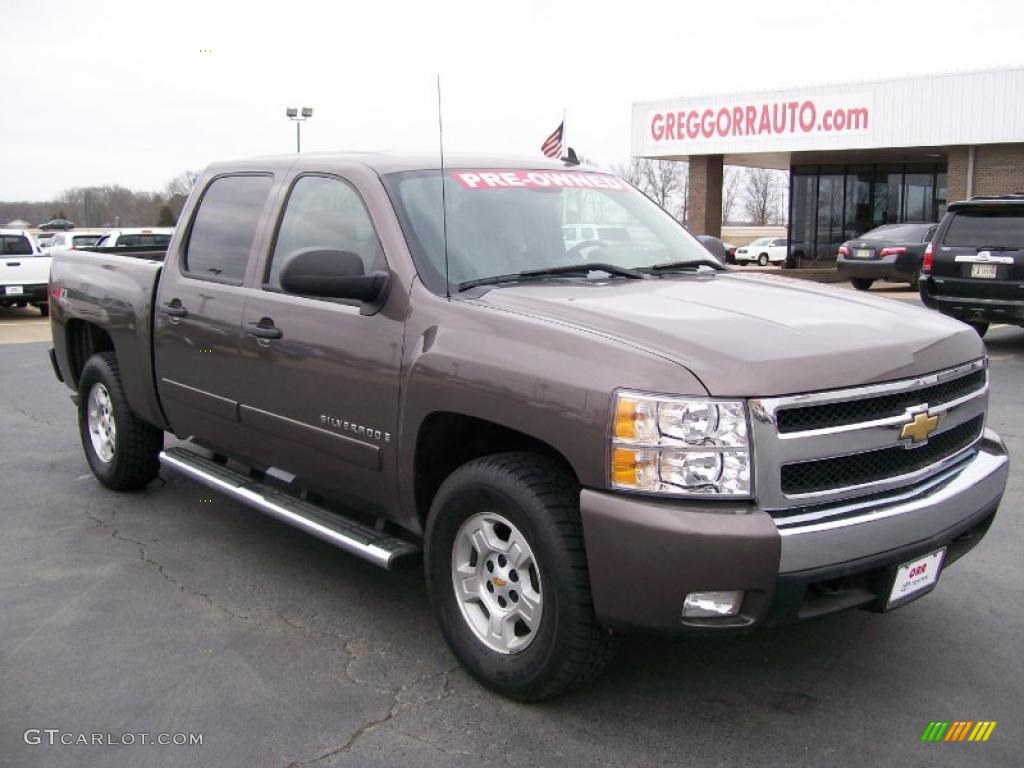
[332,274]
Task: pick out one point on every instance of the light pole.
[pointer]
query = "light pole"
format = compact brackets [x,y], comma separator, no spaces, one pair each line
[293,114]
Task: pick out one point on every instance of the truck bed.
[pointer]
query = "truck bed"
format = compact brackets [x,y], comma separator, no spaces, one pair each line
[111,292]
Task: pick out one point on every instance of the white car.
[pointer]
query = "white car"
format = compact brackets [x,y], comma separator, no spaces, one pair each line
[764,250]
[72,239]
[153,237]
[24,271]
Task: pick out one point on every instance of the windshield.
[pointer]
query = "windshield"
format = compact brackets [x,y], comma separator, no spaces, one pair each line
[898,233]
[979,228]
[85,240]
[507,222]
[762,241]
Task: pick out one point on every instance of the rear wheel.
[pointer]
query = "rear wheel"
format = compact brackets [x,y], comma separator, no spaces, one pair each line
[123,451]
[861,283]
[507,576]
[979,326]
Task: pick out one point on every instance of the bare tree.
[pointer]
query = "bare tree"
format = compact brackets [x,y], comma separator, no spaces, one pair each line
[181,184]
[762,195]
[732,191]
[666,182]
[631,171]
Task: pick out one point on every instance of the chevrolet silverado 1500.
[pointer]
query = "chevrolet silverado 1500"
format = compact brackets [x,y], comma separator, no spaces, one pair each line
[579,438]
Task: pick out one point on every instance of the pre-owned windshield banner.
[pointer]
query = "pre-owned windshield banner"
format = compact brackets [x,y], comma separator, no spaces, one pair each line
[504,179]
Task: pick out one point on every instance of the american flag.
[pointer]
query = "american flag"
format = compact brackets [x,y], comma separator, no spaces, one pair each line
[552,146]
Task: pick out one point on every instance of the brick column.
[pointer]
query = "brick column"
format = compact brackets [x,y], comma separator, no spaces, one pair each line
[956,178]
[704,216]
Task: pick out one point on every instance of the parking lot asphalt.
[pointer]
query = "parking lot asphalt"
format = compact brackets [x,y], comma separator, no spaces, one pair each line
[175,610]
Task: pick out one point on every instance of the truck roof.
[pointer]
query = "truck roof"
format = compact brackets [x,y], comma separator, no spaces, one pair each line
[387,162]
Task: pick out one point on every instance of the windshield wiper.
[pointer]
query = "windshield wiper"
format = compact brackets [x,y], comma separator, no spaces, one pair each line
[672,266]
[564,269]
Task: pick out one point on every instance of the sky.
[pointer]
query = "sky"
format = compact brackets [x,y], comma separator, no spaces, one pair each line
[133,93]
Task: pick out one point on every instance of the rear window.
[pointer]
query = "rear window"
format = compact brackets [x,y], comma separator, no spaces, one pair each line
[900,233]
[80,241]
[155,240]
[224,227]
[980,228]
[15,245]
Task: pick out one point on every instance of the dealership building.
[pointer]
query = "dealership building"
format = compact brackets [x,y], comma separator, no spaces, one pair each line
[858,155]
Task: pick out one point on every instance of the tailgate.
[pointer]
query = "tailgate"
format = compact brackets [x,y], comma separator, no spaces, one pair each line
[24,270]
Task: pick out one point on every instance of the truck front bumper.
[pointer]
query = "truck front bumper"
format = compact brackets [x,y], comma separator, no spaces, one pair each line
[646,555]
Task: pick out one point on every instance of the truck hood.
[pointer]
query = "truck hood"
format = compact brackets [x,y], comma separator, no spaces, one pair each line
[754,335]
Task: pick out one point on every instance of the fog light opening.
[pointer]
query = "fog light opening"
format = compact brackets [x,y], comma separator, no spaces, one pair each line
[712,605]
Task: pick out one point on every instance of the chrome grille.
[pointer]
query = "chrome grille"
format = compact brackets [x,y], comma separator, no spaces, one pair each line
[862,468]
[808,417]
[826,447]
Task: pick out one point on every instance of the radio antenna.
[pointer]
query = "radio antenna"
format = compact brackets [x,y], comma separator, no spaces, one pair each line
[444,204]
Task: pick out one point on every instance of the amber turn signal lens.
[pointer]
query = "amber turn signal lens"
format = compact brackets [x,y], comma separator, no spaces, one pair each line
[624,466]
[625,418]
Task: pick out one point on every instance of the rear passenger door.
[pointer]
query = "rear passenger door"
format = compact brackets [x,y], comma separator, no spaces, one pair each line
[198,312]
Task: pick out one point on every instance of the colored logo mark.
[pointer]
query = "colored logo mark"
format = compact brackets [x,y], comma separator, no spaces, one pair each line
[959,730]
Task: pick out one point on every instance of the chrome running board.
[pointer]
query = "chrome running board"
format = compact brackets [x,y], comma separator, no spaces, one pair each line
[354,537]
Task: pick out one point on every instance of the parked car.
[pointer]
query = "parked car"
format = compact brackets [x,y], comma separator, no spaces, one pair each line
[974,268]
[69,241]
[24,271]
[598,233]
[730,252]
[891,252]
[43,239]
[57,224]
[573,443]
[764,251]
[136,237]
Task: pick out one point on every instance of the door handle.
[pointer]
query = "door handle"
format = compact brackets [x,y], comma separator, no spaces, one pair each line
[265,329]
[173,308]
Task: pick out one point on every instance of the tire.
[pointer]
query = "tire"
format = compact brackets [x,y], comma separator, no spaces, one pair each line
[44,309]
[762,260]
[980,327]
[566,647]
[861,283]
[134,446]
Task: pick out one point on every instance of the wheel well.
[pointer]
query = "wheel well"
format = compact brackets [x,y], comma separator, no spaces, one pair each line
[85,340]
[447,440]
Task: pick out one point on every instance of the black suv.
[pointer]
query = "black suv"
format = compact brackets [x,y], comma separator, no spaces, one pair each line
[974,268]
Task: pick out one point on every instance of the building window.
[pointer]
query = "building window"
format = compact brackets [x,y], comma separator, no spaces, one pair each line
[830,204]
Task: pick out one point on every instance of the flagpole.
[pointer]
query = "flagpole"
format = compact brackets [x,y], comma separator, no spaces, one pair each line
[565,144]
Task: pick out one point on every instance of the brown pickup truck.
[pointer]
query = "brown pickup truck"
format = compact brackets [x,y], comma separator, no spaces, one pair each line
[582,437]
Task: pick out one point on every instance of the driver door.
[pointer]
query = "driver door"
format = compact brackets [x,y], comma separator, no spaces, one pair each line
[319,395]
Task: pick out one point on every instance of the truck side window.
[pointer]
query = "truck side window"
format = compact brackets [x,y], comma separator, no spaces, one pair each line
[324,212]
[225,226]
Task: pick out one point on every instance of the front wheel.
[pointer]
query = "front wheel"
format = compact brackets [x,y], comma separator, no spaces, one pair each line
[123,451]
[507,577]
[762,260]
[44,309]
[861,283]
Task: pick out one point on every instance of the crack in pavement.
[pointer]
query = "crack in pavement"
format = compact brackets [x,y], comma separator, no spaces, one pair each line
[347,646]
[393,711]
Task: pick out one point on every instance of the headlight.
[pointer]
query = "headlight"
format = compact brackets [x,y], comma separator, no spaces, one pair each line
[680,445]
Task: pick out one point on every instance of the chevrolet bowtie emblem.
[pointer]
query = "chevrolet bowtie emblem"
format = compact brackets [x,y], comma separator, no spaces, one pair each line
[918,429]
[499,582]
